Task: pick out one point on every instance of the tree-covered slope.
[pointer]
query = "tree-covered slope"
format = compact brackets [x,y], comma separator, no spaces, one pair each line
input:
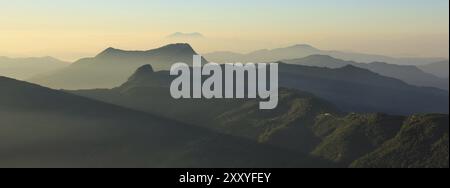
[301,122]
[345,139]
[40,127]
[422,142]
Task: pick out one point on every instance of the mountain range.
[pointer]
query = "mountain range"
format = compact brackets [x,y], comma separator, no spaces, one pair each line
[25,68]
[302,123]
[440,69]
[304,50]
[41,127]
[331,113]
[354,89]
[408,73]
[350,88]
[112,67]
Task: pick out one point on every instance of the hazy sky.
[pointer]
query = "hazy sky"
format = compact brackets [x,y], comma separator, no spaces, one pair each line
[70,29]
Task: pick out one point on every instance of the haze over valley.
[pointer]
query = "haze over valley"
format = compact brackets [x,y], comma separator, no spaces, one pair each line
[360,84]
[321,98]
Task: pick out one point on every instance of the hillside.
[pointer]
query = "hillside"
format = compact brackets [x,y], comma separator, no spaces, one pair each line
[304,50]
[383,141]
[146,89]
[112,67]
[439,69]
[407,73]
[353,89]
[421,142]
[240,118]
[25,68]
[350,89]
[41,127]
[301,123]
[348,138]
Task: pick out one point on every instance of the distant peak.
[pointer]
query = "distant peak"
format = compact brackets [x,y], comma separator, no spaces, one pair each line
[186,35]
[379,63]
[178,45]
[141,72]
[145,69]
[305,46]
[46,59]
[352,68]
[50,58]
[326,59]
[183,47]
[171,49]
[318,56]
[109,51]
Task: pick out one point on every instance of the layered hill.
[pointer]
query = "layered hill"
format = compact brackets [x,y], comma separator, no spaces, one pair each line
[350,89]
[304,50]
[301,123]
[439,68]
[40,127]
[407,73]
[422,142]
[25,68]
[112,67]
[354,89]
[383,141]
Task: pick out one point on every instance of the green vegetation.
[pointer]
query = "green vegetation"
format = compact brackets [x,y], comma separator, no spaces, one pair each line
[302,123]
[41,127]
[421,142]
[139,124]
[355,135]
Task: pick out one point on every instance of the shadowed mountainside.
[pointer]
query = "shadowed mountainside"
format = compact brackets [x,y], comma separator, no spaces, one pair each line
[421,142]
[40,127]
[301,122]
[353,89]
[112,67]
[410,74]
[350,88]
[304,50]
[439,69]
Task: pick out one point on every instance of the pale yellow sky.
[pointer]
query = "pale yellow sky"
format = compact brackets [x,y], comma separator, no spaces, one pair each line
[72,29]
